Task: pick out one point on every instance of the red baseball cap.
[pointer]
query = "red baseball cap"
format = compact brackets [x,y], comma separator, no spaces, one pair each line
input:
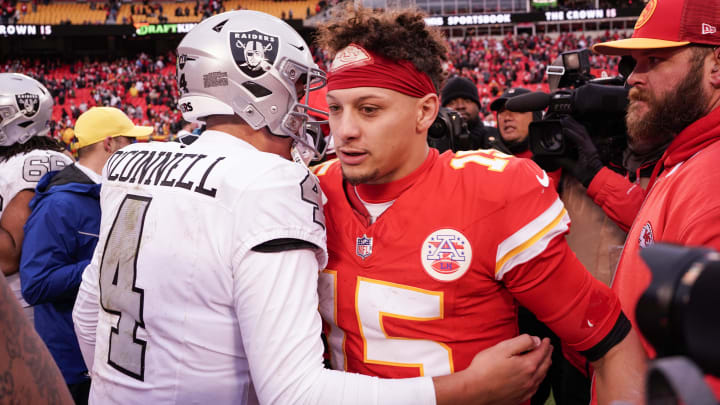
[669,24]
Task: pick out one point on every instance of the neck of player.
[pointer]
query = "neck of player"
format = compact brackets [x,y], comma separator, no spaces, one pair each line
[261,139]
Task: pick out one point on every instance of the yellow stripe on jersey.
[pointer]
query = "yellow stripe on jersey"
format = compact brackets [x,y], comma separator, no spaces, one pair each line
[322,168]
[519,248]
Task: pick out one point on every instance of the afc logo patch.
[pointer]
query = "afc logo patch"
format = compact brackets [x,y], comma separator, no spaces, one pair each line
[363,247]
[646,237]
[446,255]
[254,52]
[28,103]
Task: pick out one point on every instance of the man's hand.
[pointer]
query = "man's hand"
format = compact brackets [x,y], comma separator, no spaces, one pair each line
[507,373]
[588,162]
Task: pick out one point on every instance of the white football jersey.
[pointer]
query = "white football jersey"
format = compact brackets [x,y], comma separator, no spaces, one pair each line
[177,223]
[22,172]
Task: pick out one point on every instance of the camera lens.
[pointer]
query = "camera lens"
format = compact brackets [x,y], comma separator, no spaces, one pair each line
[438,129]
[552,141]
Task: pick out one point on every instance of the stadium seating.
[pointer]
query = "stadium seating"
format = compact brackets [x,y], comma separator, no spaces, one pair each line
[55,13]
[81,13]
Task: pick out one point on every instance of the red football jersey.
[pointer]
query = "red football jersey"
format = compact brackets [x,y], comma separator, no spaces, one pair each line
[438,276]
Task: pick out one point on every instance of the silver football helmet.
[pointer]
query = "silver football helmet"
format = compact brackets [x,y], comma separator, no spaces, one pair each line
[250,64]
[25,108]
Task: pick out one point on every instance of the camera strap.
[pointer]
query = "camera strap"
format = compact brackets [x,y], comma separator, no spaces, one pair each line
[677,378]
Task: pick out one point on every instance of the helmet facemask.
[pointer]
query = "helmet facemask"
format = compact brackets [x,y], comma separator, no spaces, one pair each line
[259,69]
[303,127]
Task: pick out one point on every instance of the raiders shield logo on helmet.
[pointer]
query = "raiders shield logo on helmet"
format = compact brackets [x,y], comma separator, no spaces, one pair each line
[253,51]
[28,103]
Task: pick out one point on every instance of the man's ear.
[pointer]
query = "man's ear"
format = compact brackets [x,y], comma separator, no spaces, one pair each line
[715,70]
[107,144]
[428,107]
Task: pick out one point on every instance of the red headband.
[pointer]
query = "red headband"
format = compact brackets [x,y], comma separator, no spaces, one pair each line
[354,66]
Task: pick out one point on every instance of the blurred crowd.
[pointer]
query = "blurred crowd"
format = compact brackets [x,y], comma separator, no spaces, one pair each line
[574,4]
[145,86]
[10,11]
[203,9]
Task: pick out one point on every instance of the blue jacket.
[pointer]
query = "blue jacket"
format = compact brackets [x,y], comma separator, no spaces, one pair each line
[60,237]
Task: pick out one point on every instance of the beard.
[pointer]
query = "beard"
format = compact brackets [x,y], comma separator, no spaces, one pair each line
[667,115]
[360,178]
[472,121]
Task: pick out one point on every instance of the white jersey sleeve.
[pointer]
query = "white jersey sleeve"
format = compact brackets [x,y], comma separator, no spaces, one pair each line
[22,172]
[284,203]
[276,302]
[85,311]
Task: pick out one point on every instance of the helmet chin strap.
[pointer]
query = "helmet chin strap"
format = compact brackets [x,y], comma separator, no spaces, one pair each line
[303,149]
[301,153]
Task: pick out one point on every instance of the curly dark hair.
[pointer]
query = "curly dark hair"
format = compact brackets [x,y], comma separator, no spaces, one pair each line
[396,35]
[35,142]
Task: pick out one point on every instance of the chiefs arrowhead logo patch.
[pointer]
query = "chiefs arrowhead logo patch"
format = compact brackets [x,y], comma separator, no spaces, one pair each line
[646,236]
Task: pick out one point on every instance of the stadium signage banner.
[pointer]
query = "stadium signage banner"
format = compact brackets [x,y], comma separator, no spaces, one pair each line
[478,19]
[152,29]
[24,30]
[572,15]
[544,3]
[508,18]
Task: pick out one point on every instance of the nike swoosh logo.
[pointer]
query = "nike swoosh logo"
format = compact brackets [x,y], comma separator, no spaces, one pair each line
[544,181]
[299,48]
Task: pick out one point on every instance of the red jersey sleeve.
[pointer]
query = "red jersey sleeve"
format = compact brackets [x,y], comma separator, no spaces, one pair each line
[537,266]
[619,198]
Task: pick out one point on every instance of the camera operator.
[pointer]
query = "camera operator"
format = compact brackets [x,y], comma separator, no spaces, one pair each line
[619,188]
[675,97]
[514,128]
[583,132]
[461,95]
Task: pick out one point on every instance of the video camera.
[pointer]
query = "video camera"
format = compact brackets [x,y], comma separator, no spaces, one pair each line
[449,132]
[677,314]
[598,104]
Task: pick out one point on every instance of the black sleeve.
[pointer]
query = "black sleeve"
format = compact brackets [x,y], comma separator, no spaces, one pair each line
[617,334]
[283,244]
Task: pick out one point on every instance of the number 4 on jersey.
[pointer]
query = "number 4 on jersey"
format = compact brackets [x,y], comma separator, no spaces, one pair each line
[118,293]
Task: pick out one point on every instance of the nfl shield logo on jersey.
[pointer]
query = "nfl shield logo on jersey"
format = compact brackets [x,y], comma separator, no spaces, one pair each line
[363,246]
[253,51]
[646,236]
[28,103]
[446,255]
